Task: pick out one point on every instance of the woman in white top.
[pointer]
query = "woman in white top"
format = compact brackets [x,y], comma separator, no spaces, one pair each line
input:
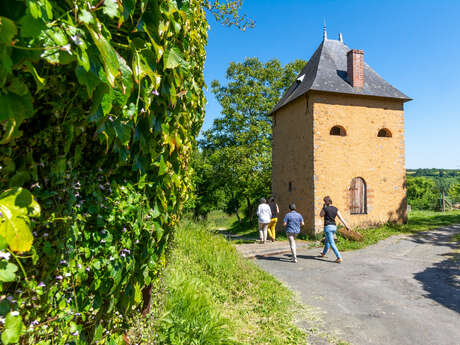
[265,215]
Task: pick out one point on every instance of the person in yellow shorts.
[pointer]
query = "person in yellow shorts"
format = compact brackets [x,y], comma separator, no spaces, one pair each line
[272,226]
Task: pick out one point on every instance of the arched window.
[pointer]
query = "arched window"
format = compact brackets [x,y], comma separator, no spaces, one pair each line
[358,196]
[384,133]
[338,130]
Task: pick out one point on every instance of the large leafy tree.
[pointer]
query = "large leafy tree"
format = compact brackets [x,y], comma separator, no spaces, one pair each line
[239,142]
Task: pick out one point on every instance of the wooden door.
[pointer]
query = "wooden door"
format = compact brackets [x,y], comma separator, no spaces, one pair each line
[357,196]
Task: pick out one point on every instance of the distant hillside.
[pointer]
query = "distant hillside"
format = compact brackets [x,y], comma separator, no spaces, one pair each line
[433,172]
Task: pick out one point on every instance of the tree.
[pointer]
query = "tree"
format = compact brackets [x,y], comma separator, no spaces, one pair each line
[239,142]
[206,195]
[454,191]
[421,192]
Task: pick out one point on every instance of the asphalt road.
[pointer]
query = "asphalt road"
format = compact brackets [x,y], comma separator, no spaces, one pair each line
[403,290]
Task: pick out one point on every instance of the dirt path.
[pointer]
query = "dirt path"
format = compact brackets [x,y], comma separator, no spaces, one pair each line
[404,290]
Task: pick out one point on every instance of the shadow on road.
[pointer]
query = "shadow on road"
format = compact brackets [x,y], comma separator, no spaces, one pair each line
[442,282]
[272,258]
[287,258]
[439,237]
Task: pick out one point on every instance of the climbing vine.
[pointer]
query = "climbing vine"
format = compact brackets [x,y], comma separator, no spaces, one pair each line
[100,104]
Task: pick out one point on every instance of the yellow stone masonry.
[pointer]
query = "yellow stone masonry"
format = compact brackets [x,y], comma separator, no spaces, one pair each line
[318,164]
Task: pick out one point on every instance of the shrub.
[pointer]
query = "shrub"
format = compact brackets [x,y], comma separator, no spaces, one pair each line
[100,103]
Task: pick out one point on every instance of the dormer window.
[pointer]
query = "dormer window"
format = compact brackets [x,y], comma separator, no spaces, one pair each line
[338,130]
[384,133]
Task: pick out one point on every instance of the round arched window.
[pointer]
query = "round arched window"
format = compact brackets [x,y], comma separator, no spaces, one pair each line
[384,133]
[338,130]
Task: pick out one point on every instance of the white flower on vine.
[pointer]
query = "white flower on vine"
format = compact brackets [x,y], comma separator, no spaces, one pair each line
[14,313]
[77,40]
[5,255]
[67,48]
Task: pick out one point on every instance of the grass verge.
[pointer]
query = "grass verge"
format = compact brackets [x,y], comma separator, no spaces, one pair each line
[418,221]
[215,297]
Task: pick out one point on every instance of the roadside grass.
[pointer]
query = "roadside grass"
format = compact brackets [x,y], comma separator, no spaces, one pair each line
[213,296]
[418,221]
[247,231]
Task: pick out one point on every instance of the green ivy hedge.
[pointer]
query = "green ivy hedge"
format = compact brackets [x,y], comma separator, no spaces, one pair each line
[100,103]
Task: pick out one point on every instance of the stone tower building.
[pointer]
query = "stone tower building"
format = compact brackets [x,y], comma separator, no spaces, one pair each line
[339,131]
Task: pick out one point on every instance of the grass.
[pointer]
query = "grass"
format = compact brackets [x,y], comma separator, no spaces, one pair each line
[213,296]
[247,231]
[418,221]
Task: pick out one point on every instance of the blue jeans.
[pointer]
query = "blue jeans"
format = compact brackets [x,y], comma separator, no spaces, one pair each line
[329,231]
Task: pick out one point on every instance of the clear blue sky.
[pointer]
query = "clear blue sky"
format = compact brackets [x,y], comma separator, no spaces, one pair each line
[413,44]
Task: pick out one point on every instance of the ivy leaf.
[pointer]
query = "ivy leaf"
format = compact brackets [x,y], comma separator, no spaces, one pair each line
[13,328]
[35,9]
[7,30]
[15,206]
[17,232]
[6,65]
[7,271]
[156,212]
[110,8]
[3,242]
[108,54]
[174,58]
[137,293]
[163,167]
[86,17]
[18,87]
[30,27]
[123,132]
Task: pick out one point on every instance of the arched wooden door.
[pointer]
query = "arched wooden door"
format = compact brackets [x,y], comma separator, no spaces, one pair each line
[358,196]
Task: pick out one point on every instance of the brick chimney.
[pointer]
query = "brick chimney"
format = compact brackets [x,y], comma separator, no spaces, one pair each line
[355,68]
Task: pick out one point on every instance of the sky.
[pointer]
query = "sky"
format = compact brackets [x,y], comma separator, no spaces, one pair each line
[412,44]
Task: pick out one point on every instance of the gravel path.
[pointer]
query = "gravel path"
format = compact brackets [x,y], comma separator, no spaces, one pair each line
[403,290]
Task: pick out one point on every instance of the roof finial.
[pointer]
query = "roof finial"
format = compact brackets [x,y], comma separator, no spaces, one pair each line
[324,30]
[340,37]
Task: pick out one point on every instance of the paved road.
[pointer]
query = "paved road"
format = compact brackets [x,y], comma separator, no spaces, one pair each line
[404,290]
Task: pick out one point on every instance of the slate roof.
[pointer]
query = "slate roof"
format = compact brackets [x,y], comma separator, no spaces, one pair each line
[327,71]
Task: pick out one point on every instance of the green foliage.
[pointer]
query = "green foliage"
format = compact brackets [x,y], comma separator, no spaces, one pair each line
[454,191]
[421,193]
[100,103]
[228,13]
[418,221]
[434,172]
[206,194]
[192,317]
[16,206]
[238,146]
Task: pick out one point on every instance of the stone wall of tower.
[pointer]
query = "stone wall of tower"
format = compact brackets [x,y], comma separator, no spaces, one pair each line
[292,157]
[361,153]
